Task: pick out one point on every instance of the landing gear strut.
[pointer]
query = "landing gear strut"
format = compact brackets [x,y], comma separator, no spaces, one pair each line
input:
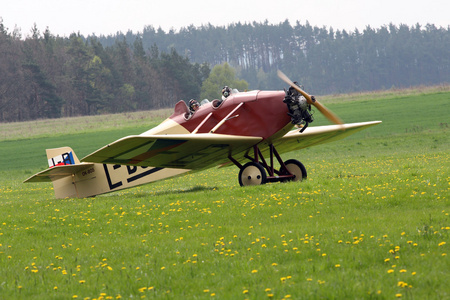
[258,171]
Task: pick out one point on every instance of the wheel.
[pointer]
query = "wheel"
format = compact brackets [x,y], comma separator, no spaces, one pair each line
[252,173]
[296,168]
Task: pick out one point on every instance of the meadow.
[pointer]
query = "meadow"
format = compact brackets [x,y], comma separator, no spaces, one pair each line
[370,222]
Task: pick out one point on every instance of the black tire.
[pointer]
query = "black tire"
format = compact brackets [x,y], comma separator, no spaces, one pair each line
[296,168]
[252,173]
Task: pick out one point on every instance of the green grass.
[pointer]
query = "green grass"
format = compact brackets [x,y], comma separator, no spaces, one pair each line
[371,221]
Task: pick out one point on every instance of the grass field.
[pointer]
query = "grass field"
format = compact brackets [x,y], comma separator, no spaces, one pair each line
[371,221]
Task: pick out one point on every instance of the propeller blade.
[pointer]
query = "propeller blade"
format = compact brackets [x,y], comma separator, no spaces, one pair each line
[325,111]
[288,81]
[328,113]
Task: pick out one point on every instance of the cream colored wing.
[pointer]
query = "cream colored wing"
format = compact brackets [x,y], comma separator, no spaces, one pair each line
[312,136]
[183,151]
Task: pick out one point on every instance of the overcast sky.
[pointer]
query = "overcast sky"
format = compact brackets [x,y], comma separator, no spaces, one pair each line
[103,17]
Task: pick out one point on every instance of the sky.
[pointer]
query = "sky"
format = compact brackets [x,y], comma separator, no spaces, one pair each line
[105,17]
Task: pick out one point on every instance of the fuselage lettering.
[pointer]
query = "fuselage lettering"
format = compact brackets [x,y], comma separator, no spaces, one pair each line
[134,173]
[141,175]
[131,169]
[108,177]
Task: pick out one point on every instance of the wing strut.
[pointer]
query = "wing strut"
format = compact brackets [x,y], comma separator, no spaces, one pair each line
[226,118]
[201,123]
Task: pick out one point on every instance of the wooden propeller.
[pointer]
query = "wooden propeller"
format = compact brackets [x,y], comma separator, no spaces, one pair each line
[325,111]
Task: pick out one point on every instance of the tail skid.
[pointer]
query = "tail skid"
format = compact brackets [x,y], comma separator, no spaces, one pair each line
[72,179]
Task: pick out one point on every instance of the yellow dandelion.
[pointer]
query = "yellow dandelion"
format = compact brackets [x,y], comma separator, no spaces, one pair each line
[254,271]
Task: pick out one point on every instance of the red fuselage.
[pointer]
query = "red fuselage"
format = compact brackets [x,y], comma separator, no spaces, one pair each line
[262,114]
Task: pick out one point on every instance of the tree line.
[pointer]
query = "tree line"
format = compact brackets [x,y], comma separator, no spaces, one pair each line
[324,60]
[43,76]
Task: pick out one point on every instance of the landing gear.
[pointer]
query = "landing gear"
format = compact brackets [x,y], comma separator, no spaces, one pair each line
[297,169]
[254,172]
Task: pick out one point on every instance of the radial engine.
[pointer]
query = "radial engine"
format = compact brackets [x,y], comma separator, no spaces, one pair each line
[299,109]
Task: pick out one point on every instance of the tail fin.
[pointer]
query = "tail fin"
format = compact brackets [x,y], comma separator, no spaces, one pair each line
[61,157]
[64,166]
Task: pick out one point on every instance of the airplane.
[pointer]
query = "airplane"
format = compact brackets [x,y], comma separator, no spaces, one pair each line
[248,129]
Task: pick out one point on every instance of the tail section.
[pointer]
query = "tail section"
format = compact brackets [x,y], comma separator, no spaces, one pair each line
[72,179]
[64,170]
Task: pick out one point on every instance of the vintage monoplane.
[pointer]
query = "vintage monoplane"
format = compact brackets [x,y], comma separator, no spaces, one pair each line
[249,129]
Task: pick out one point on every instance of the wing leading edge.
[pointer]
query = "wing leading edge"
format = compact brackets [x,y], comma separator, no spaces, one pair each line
[183,151]
[200,151]
[294,140]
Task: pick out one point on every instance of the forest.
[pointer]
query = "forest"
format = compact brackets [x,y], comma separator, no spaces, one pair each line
[47,76]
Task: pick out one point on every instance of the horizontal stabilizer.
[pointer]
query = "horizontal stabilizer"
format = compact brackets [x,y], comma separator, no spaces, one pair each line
[57,172]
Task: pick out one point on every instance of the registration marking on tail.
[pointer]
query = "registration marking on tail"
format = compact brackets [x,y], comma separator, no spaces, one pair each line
[61,160]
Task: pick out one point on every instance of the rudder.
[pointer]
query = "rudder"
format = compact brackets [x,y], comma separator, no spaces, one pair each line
[61,157]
